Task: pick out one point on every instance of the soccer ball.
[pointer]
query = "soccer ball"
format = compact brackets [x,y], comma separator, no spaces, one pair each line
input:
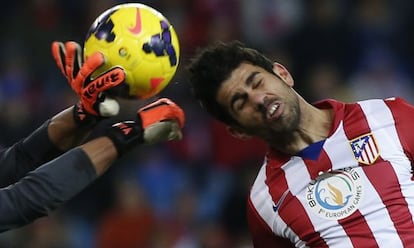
[139,39]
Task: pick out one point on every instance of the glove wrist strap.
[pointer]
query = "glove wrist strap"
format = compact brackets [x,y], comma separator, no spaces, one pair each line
[125,135]
[83,118]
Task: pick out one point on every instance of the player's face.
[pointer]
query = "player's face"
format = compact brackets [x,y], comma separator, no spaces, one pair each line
[262,103]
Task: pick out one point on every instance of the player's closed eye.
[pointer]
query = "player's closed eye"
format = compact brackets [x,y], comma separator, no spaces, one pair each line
[257,84]
[239,104]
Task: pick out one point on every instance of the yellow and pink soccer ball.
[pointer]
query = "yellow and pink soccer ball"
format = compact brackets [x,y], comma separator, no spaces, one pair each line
[139,39]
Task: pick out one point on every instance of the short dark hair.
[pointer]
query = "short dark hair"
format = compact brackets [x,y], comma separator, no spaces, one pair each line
[213,65]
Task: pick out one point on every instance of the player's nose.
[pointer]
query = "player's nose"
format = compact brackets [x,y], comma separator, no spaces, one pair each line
[257,99]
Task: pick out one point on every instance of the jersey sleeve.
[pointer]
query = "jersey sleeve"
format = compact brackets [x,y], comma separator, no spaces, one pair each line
[262,236]
[403,114]
[26,155]
[44,189]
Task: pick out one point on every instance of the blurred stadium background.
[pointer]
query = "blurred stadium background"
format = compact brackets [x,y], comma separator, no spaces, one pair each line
[192,193]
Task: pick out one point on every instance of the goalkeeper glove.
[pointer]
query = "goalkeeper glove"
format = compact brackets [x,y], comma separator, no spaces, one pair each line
[159,121]
[93,103]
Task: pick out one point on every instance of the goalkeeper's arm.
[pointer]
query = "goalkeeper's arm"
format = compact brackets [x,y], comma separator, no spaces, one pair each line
[49,186]
[51,139]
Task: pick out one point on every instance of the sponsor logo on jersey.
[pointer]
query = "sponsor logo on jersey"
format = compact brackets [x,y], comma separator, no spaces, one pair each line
[365,149]
[335,195]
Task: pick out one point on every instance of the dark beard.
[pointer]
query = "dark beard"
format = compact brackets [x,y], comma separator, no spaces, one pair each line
[287,132]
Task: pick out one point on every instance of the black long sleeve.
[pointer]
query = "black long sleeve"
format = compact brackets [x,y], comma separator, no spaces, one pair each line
[45,189]
[26,155]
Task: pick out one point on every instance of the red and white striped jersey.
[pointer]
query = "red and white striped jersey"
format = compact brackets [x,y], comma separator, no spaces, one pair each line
[358,191]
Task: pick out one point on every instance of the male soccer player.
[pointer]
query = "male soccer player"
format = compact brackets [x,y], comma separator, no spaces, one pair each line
[49,167]
[336,174]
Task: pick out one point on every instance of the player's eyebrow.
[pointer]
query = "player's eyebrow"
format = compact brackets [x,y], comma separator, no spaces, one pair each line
[238,95]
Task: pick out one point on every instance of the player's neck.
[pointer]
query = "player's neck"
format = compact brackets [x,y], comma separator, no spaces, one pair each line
[314,126]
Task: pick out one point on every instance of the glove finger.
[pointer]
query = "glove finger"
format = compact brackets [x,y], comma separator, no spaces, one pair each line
[59,53]
[73,60]
[77,63]
[107,106]
[161,110]
[82,78]
[175,133]
[162,131]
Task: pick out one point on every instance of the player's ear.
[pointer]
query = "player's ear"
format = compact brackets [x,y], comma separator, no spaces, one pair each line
[238,134]
[283,73]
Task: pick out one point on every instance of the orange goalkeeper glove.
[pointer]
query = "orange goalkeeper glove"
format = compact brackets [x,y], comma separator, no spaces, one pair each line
[93,103]
[159,121]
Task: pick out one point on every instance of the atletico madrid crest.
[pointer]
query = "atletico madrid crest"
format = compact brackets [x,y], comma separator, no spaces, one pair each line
[365,149]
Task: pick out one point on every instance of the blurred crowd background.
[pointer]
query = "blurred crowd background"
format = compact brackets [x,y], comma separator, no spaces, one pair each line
[192,193]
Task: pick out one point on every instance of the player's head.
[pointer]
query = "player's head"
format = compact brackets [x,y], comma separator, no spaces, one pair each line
[213,65]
